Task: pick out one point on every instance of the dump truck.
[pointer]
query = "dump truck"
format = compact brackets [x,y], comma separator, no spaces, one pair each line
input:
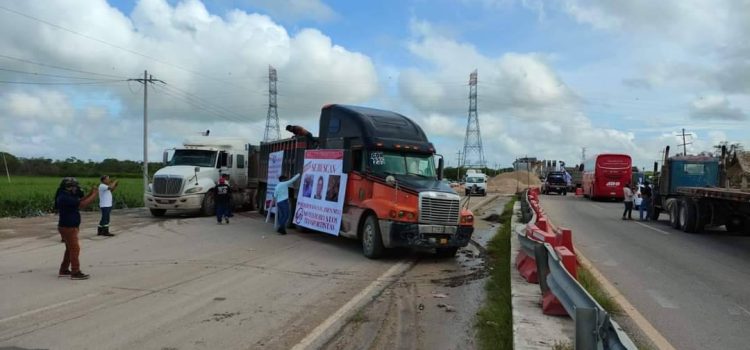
[188,179]
[395,193]
[695,193]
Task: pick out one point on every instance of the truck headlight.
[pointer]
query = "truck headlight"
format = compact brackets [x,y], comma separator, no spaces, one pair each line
[194,190]
[148,188]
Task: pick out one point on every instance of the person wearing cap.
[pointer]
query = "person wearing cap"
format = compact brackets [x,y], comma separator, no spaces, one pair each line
[223,194]
[105,204]
[298,131]
[68,201]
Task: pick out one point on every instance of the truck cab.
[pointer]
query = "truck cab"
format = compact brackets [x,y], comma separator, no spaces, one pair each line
[187,181]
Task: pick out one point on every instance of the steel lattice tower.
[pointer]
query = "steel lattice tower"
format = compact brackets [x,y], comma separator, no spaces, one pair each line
[473,152]
[272,119]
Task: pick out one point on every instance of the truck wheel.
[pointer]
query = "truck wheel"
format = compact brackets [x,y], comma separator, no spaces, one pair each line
[688,216]
[208,207]
[446,252]
[735,223]
[158,212]
[674,214]
[653,212]
[372,240]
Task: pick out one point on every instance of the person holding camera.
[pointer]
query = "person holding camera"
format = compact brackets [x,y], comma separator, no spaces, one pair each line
[68,201]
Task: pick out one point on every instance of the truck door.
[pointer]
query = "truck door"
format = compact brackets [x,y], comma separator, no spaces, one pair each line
[240,171]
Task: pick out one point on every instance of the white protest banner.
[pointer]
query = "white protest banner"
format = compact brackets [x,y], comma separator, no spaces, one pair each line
[320,201]
[275,160]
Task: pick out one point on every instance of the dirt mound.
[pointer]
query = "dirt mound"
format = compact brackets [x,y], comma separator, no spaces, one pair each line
[509,183]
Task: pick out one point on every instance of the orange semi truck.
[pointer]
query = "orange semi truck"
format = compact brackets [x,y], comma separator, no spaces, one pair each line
[395,193]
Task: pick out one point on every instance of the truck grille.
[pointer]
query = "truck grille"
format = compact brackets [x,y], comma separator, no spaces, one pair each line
[439,211]
[167,186]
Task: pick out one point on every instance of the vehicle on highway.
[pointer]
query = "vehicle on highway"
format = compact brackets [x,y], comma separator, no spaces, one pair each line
[604,176]
[189,177]
[555,182]
[476,183]
[694,191]
[395,194]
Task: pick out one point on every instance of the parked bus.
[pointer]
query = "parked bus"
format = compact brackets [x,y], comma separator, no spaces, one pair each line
[604,176]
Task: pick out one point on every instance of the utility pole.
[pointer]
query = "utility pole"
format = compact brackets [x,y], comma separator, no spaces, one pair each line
[684,143]
[6,167]
[583,154]
[146,79]
[458,176]
[272,118]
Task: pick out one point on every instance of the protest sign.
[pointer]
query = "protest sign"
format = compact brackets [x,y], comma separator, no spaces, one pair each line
[320,201]
[275,160]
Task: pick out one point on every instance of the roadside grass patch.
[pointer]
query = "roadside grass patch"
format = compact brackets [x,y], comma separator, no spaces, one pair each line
[34,195]
[495,318]
[587,280]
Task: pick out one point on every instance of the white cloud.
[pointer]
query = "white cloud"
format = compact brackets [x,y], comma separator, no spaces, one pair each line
[715,107]
[297,9]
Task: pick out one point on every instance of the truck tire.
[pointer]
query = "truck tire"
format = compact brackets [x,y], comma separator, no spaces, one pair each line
[688,216]
[372,240]
[158,212]
[208,207]
[674,214]
[446,252]
[736,223]
[653,211]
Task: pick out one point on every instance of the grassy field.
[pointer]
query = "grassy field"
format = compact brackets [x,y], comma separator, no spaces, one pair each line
[31,196]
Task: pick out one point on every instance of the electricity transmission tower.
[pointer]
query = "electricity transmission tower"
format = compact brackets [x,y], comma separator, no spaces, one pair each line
[272,119]
[473,152]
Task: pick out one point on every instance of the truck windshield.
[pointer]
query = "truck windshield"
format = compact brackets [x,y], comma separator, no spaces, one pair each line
[402,164]
[194,157]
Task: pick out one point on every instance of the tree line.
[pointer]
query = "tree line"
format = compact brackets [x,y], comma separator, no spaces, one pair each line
[73,166]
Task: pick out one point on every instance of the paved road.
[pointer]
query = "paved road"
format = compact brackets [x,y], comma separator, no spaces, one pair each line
[692,287]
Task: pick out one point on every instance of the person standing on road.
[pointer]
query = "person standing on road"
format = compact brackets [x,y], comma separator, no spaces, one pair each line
[281,195]
[628,200]
[106,188]
[223,194]
[645,202]
[68,202]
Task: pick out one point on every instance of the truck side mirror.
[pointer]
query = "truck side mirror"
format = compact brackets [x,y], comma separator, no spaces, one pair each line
[390,180]
[197,169]
[580,168]
[441,165]
[165,157]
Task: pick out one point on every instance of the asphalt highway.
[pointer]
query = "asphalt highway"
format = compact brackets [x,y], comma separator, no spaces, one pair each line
[693,288]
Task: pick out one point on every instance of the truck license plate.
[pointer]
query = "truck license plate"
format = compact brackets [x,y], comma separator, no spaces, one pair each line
[443,241]
[438,229]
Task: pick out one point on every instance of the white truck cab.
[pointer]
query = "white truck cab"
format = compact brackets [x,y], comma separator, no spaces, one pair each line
[476,183]
[188,179]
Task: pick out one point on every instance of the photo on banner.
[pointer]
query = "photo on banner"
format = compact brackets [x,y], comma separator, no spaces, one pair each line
[275,161]
[321,197]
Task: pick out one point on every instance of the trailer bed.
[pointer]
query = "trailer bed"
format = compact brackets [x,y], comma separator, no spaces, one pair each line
[716,193]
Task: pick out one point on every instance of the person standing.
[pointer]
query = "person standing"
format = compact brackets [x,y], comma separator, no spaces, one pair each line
[106,188]
[628,200]
[281,195]
[645,202]
[68,202]
[223,194]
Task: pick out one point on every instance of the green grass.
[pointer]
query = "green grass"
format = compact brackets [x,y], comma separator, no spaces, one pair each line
[32,196]
[495,319]
[587,280]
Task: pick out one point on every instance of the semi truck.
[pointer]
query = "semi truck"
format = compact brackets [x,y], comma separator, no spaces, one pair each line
[695,193]
[188,179]
[395,193]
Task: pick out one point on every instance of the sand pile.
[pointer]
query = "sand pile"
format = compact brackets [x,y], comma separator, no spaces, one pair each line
[508,183]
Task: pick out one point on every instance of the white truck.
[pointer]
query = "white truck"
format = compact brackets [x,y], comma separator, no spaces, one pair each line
[189,177]
[476,183]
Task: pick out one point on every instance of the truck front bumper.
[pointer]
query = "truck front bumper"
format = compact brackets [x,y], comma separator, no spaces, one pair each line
[400,234]
[188,202]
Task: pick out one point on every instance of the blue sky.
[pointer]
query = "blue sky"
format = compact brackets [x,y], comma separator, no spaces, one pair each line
[554,76]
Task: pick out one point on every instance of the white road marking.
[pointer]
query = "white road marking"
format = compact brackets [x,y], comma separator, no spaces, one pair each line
[48,307]
[598,206]
[661,300]
[385,278]
[653,228]
[743,309]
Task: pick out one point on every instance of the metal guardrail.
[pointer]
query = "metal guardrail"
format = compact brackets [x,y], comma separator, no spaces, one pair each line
[527,213]
[594,329]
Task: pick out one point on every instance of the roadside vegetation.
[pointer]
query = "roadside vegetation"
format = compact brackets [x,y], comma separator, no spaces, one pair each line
[590,283]
[495,319]
[32,196]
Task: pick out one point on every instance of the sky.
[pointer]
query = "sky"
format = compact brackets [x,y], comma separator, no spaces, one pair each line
[554,76]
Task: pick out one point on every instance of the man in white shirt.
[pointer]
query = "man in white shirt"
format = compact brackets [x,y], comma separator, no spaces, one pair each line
[628,200]
[281,195]
[105,204]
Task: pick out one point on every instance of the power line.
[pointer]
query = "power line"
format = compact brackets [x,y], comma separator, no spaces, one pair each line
[47,75]
[59,67]
[61,83]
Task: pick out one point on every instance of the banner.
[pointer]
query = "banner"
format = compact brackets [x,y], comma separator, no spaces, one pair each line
[275,160]
[320,200]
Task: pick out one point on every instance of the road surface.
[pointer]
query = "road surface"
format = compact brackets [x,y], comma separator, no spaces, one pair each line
[182,283]
[693,288]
